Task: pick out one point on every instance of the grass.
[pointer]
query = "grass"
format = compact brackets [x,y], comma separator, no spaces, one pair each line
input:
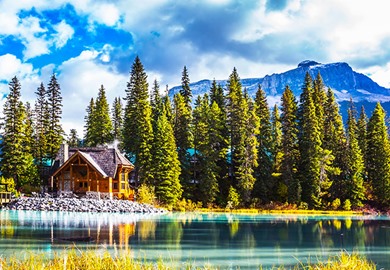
[91,260]
[281,211]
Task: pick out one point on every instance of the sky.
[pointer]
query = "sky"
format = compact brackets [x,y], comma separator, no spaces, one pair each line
[89,43]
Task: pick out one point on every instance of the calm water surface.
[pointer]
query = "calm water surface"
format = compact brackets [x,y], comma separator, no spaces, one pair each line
[226,240]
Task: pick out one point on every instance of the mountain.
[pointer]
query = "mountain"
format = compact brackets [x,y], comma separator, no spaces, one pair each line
[340,77]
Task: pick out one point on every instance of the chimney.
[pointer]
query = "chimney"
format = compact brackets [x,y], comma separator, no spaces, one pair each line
[66,152]
[63,155]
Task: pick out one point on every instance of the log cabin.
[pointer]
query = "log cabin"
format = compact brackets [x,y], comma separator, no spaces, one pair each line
[92,169]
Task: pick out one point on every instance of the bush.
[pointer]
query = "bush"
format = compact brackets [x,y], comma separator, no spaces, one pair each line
[303,206]
[145,194]
[336,204]
[233,199]
[186,205]
[347,205]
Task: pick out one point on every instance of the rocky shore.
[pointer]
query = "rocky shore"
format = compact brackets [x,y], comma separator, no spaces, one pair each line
[74,204]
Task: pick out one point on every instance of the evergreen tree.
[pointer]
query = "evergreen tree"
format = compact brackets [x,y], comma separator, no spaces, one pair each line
[185,90]
[137,130]
[335,141]
[184,141]
[166,166]
[73,139]
[319,99]
[290,146]
[355,163]
[15,162]
[41,114]
[168,107]
[117,118]
[243,125]
[156,103]
[90,127]
[102,120]
[264,179]
[378,156]
[29,130]
[310,147]
[216,95]
[55,131]
[276,152]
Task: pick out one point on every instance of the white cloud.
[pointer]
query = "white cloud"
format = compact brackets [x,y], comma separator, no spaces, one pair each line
[80,78]
[64,33]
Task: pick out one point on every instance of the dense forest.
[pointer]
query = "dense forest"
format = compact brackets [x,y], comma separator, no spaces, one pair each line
[222,149]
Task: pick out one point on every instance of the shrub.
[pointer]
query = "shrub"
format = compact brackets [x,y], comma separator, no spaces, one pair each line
[186,205]
[336,204]
[347,205]
[303,206]
[233,198]
[145,194]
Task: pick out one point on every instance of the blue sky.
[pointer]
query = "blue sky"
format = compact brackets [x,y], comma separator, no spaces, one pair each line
[88,43]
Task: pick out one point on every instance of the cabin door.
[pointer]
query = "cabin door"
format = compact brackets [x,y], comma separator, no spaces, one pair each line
[67,181]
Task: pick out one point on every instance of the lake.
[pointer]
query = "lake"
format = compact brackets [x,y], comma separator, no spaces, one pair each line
[226,240]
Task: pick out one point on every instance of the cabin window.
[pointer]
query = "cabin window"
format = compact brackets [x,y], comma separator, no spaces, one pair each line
[123,176]
[81,184]
[123,186]
[115,185]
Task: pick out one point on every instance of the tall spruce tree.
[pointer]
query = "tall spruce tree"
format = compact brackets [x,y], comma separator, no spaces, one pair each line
[216,95]
[309,146]
[137,129]
[290,151]
[55,131]
[319,99]
[73,139]
[102,120]
[276,151]
[378,156]
[184,141]
[264,179]
[90,127]
[335,141]
[166,166]
[15,162]
[185,90]
[117,119]
[355,163]
[41,114]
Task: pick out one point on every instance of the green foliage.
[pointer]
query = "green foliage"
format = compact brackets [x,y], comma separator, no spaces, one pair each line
[73,139]
[336,204]
[15,162]
[10,185]
[145,194]
[102,120]
[233,199]
[310,147]
[186,205]
[166,167]
[184,141]
[289,142]
[117,118]
[137,129]
[185,90]
[55,132]
[378,156]
[347,205]
[264,180]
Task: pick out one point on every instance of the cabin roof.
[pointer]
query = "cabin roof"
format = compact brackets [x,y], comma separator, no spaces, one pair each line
[105,160]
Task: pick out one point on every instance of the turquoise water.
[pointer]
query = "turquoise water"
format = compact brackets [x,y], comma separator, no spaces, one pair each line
[226,240]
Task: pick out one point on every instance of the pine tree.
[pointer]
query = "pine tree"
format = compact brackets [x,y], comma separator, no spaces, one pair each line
[184,142]
[168,108]
[355,163]
[41,113]
[117,118]
[89,127]
[156,103]
[73,139]
[137,130]
[102,120]
[335,141]
[29,130]
[264,179]
[276,151]
[55,131]
[243,125]
[166,166]
[310,147]
[216,95]
[185,90]
[319,99]
[15,162]
[290,146]
[378,156]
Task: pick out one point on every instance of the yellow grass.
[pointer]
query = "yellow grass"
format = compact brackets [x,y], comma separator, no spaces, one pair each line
[91,260]
[278,212]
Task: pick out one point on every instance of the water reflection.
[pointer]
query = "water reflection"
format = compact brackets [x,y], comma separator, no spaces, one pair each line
[220,239]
